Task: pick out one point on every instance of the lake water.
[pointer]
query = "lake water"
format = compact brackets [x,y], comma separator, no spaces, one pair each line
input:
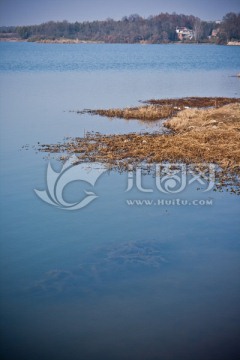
[111,280]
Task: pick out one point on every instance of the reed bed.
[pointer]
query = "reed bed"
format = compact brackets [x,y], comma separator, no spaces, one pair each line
[197,136]
[148,112]
[198,102]
[161,109]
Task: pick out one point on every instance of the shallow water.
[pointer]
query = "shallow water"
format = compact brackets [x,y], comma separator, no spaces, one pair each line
[111,281]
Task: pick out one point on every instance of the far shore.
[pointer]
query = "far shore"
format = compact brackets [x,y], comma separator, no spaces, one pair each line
[78,41]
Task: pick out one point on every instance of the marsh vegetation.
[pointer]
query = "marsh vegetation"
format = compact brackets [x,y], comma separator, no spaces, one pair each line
[201,130]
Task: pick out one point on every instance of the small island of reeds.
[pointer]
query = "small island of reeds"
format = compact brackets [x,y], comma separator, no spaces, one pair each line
[198,130]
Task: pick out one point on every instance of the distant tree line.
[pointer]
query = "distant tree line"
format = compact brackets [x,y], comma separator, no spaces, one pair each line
[132,29]
[229,29]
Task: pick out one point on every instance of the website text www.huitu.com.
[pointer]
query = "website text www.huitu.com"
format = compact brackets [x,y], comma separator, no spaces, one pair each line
[169,202]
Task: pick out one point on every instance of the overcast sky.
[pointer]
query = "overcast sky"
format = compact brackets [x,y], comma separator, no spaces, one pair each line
[26,12]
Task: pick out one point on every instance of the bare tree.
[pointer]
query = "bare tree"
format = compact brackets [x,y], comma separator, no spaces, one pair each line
[197,29]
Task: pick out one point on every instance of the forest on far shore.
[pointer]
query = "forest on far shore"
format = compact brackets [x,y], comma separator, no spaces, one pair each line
[132,29]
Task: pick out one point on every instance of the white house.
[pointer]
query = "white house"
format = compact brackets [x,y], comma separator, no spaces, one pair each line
[184,33]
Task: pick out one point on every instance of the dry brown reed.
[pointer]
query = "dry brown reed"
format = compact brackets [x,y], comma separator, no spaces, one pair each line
[197,136]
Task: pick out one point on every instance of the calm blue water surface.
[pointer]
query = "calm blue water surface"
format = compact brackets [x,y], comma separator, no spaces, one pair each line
[111,281]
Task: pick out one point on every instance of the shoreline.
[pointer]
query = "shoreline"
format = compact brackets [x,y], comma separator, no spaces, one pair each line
[78,41]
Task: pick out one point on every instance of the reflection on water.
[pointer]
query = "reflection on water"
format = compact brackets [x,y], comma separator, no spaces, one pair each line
[118,262]
[111,281]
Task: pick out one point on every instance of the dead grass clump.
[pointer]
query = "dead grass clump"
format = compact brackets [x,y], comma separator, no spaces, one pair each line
[198,102]
[161,109]
[225,118]
[148,112]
